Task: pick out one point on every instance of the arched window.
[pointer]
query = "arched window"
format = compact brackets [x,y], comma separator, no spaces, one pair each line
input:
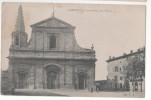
[17,40]
[52,41]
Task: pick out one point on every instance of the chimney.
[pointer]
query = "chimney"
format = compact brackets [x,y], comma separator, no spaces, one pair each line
[124,54]
[110,58]
[131,51]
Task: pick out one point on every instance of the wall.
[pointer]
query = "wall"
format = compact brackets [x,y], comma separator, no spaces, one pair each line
[36,73]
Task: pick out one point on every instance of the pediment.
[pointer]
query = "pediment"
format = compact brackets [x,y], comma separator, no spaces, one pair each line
[52,22]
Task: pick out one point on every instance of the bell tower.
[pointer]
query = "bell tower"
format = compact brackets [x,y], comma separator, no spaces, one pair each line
[19,36]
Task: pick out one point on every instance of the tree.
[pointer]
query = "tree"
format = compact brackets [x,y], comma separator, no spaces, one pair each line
[136,67]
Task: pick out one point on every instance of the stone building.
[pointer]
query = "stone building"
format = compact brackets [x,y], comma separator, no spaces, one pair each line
[51,59]
[4,82]
[116,67]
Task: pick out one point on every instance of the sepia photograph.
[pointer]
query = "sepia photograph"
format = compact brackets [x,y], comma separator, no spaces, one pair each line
[73,50]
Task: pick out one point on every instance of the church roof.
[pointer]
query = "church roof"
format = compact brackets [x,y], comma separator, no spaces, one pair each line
[52,22]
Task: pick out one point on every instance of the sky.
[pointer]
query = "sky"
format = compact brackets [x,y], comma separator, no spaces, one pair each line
[112,29]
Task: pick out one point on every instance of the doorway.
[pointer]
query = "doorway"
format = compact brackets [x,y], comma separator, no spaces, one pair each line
[81,82]
[115,86]
[22,81]
[136,86]
[51,80]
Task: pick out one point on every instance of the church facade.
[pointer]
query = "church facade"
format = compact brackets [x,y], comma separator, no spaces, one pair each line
[51,59]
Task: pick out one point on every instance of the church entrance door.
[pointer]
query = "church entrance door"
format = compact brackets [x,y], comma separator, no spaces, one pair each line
[51,80]
[81,82]
[22,78]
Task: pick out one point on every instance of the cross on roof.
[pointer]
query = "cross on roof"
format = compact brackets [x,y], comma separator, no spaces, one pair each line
[53,12]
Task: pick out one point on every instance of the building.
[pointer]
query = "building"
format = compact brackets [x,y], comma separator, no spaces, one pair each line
[4,82]
[106,85]
[117,72]
[51,59]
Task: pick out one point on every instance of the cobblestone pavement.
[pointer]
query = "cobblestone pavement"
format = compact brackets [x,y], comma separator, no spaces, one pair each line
[77,93]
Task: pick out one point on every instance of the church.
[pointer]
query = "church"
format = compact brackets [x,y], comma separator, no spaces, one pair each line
[51,59]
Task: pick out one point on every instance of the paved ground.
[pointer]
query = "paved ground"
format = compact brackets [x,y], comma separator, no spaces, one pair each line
[36,93]
[78,93]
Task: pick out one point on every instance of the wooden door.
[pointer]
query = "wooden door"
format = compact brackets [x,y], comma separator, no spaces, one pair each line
[81,83]
[22,78]
[51,78]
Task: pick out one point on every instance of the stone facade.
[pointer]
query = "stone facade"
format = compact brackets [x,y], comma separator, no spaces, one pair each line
[4,82]
[116,67]
[51,59]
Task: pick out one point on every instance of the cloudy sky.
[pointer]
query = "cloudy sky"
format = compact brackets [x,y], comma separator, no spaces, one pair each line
[112,29]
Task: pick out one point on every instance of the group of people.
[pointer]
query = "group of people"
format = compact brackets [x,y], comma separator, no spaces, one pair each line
[92,89]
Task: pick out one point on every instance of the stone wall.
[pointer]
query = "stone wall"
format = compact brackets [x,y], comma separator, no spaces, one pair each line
[36,72]
[120,64]
[40,39]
